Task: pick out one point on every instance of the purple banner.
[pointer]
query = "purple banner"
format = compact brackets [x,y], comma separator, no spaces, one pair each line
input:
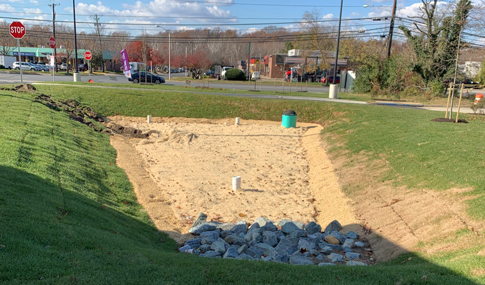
[126,63]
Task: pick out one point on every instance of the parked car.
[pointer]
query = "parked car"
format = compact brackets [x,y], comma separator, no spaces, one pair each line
[82,67]
[43,67]
[255,75]
[63,66]
[330,79]
[210,73]
[24,65]
[136,77]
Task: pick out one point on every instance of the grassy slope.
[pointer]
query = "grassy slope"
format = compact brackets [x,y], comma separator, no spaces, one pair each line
[57,174]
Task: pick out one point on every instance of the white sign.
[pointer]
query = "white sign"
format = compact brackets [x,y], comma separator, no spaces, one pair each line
[51,63]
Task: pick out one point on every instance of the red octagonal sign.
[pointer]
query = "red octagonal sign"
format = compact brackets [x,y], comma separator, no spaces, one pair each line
[87,55]
[52,42]
[17,30]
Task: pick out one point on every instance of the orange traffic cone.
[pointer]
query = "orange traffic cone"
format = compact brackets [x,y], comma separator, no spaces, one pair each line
[91,81]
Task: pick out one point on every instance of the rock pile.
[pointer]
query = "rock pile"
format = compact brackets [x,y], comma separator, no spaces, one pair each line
[284,242]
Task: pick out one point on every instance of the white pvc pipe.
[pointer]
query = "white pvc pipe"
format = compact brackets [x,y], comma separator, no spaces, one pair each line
[237,120]
[236,183]
[149,119]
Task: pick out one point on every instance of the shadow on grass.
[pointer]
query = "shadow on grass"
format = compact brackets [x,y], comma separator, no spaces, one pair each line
[63,237]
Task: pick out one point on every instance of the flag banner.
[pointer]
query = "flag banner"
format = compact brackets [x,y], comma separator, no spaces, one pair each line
[126,63]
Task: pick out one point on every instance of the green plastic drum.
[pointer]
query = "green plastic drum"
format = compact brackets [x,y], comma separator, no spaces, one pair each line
[289,119]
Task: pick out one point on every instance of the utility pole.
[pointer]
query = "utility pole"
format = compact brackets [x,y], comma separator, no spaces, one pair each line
[98,31]
[391,29]
[53,5]
[249,61]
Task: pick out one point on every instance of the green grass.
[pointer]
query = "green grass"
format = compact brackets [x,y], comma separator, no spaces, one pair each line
[228,89]
[57,174]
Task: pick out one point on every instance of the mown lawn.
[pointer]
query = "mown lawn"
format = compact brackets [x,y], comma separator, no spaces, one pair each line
[68,213]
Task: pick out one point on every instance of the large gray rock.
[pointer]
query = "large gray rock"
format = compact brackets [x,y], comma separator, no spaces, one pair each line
[267,249]
[326,264]
[355,263]
[306,245]
[352,235]
[243,222]
[231,253]
[341,238]
[235,239]
[333,226]
[313,228]
[348,243]
[300,260]
[225,227]
[208,240]
[220,246]
[352,255]
[288,227]
[224,234]
[279,235]
[254,236]
[287,246]
[194,243]
[282,222]
[334,257]
[211,254]
[254,252]
[204,248]
[212,234]
[202,228]
[245,256]
[186,248]
[261,221]
[239,228]
[359,244]
[269,227]
[326,250]
[281,258]
[270,238]
[242,248]
[200,220]
[297,234]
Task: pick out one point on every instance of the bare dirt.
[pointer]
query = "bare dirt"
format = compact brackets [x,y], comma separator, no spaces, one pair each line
[190,162]
[185,167]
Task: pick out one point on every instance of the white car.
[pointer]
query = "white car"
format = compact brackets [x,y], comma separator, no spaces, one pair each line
[255,75]
[224,70]
[24,65]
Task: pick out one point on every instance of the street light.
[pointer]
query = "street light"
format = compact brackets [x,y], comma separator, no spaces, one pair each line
[391,26]
[169,50]
[338,43]
[76,75]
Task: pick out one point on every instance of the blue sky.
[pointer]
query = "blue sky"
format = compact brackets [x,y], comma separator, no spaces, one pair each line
[243,15]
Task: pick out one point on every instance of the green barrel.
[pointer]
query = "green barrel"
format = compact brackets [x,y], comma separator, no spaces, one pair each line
[289,119]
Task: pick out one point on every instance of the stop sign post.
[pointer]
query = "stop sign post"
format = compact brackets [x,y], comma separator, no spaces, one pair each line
[17,31]
[87,56]
[52,44]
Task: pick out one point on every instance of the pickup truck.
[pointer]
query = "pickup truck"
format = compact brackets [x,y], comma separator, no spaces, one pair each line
[223,71]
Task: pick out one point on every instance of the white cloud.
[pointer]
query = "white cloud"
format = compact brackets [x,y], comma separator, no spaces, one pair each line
[355,14]
[220,2]
[328,16]
[35,2]
[409,11]
[6,8]
[252,30]
[32,10]
[16,1]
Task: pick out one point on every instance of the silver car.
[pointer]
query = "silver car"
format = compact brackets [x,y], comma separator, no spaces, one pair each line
[24,65]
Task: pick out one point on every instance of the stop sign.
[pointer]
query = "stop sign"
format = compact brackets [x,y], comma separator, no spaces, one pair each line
[52,42]
[87,55]
[17,30]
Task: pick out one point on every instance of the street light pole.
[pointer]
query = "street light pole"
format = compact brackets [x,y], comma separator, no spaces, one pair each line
[391,29]
[169,57]
[338,42]
[76,74]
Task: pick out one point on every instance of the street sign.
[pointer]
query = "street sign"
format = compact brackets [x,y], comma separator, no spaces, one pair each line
[88,55]
[52,42]
[17,30]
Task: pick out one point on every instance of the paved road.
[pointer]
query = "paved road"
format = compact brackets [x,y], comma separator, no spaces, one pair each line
[6,78]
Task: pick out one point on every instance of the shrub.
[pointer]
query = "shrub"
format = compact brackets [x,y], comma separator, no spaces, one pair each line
[235,74]
[2,66]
